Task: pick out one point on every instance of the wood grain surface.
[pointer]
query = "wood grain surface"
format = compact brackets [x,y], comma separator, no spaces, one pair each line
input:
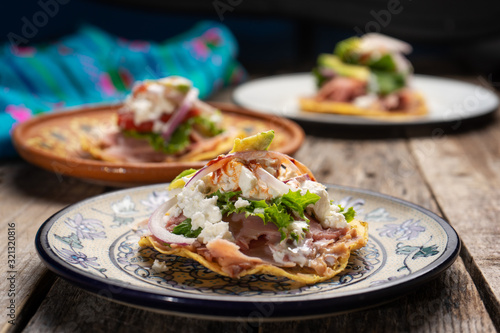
[456,175]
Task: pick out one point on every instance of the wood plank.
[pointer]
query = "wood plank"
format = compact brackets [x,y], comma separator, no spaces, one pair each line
[383,166]
[28,196]
[464,170]
[438,306]
[449,303]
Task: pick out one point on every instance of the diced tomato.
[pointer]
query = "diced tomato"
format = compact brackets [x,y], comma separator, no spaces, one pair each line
[139,89]
[126,120]
[192,113]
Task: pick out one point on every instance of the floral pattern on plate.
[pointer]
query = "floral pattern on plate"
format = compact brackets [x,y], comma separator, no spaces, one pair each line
[98,237]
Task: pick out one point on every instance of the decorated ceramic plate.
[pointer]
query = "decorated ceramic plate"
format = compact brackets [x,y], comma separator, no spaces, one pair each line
[449,101]
[52,141]
[93,244]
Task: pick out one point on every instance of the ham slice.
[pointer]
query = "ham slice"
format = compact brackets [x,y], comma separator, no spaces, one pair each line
[229,257]
[251,228]
[341,89]
[174,221]
[117,146]
[317,232]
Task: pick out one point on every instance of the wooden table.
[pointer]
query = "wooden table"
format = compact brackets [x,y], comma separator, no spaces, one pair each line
[454,172]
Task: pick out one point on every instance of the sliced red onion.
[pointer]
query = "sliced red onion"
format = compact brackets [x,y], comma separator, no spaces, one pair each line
[375,41]
[272,182]
[179,114]
[300,179]
[157,227]
[210,167]
[248,156]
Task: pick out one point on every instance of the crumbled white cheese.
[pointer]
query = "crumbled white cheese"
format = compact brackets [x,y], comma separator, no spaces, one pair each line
[365,101]
[247,181]
[216,117]
[159,266]
[235,176]
[273,192]
[240,203]
[151,99]
[150,104]
[214,231]
[334,219]
[194,205]
[326,213]
[203,212]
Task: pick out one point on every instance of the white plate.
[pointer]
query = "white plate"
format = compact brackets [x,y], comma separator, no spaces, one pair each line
[448,100]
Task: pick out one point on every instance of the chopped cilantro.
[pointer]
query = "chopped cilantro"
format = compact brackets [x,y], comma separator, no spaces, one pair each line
[184,229]
[224,201]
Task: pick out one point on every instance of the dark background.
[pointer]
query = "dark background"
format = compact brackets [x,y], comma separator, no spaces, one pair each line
[449,37]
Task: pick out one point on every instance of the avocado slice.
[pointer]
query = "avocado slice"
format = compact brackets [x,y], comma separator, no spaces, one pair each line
[259,141]
[334,63]
[346,49]
[178,182]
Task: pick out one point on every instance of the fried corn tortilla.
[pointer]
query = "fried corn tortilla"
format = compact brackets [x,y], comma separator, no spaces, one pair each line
[312,105]
[346,245]
[211,148]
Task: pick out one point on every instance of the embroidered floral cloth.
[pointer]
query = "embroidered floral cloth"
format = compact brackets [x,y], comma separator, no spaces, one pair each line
[92,66]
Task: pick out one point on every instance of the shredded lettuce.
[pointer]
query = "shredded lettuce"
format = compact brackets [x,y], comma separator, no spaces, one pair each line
[180,138]
[280,210]
[206,126]
[178,182]
[384,63]
[298,202]
[184,173]
[387,82]
[224,202]
[178,142]
[349,214]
